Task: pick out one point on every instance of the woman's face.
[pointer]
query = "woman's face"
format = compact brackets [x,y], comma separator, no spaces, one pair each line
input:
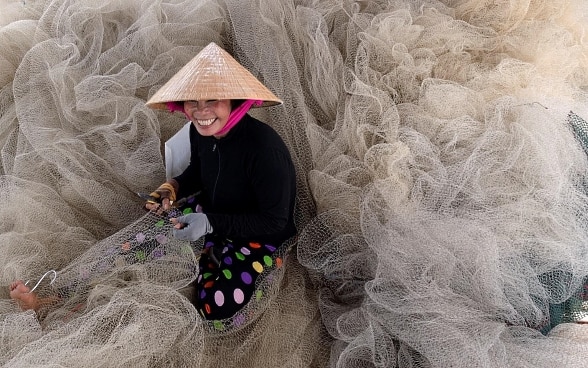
[209,116]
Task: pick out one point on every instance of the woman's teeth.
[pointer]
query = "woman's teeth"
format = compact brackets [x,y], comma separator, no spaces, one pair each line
[206,122]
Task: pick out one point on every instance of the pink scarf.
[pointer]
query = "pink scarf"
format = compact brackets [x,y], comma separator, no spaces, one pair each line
[234,117]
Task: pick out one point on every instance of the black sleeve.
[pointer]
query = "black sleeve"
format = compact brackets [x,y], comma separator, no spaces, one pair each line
[188,181]
[274,185]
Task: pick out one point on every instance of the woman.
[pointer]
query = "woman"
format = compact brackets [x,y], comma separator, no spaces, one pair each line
[245,178]
[243,172]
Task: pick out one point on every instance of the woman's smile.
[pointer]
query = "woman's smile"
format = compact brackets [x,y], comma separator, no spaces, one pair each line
[205,122]
[208,116]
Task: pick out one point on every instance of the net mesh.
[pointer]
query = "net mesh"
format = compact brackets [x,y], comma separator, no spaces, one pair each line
[439,147]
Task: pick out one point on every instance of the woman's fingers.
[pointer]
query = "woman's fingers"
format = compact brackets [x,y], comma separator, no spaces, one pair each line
[166,204]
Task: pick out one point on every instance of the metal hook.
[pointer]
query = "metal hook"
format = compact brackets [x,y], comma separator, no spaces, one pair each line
[41,279]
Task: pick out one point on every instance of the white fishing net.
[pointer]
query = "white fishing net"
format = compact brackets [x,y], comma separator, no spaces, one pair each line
[440,152]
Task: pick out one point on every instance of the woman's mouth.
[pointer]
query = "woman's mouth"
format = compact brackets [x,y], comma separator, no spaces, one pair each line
[206,122]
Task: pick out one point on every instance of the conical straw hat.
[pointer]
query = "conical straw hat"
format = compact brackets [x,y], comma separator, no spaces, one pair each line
[212,74]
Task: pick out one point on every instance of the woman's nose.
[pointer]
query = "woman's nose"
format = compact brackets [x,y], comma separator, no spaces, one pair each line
[201,105]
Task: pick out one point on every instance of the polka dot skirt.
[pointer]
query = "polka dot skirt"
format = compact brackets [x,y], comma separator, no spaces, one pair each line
[226,282]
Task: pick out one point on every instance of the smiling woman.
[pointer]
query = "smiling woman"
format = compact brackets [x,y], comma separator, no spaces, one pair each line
[244,173]
[209,117]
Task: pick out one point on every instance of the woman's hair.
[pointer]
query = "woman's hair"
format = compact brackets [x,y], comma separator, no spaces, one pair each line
[236,103]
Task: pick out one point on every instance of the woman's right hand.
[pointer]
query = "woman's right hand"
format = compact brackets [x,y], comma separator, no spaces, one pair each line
[165,195]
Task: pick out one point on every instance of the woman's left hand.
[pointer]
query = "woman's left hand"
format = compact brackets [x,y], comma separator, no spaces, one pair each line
[191,226]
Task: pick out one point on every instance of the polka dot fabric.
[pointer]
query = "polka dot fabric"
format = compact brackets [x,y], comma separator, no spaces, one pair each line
[226,284]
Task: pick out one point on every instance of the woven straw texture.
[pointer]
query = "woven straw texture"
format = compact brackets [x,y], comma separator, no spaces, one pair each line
[213,74]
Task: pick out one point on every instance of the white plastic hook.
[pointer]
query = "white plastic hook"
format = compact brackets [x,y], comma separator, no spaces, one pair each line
[41,279]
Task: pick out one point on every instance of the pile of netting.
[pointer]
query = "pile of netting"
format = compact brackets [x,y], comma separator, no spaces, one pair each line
[440,149]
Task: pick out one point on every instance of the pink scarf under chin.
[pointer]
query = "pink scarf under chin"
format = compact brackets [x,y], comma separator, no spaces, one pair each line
[234,117]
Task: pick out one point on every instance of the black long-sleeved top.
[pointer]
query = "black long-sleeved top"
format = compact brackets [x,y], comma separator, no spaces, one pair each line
[248,182]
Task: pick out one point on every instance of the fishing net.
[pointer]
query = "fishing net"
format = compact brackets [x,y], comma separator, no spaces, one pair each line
[440,155]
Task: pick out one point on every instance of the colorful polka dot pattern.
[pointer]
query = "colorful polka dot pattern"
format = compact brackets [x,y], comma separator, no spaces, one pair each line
[222,290]
[148,243]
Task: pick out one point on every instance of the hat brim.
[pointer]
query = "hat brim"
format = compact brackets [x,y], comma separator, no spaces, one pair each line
[213,74]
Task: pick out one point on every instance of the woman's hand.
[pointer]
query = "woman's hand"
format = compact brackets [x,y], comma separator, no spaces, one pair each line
[165,195]
[191,226]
